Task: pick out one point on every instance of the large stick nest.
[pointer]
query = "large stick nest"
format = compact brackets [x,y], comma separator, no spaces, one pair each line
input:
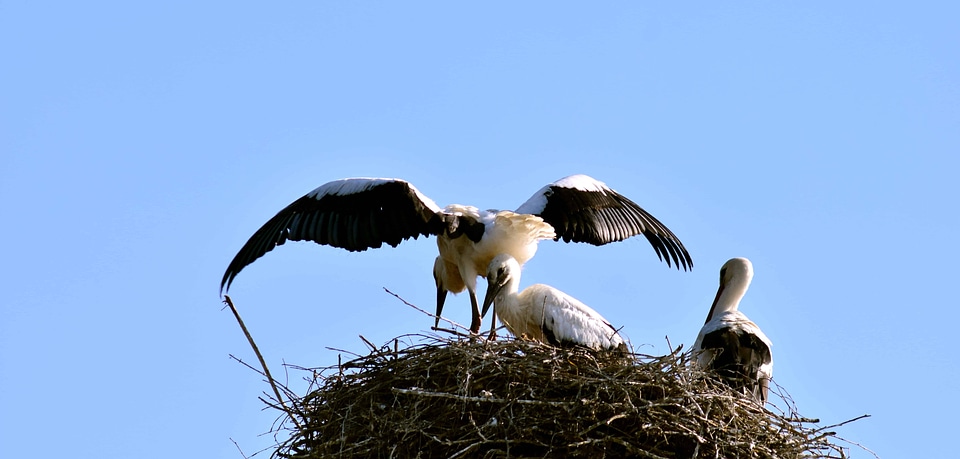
[476,398]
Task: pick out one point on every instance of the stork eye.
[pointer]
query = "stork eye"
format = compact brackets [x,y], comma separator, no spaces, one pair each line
[500,271]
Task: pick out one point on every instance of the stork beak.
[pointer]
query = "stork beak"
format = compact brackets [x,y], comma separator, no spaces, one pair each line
[438,271]
[441,298]
[712,306]
[493,288]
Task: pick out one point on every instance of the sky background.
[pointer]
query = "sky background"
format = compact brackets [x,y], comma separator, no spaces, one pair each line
[142,144]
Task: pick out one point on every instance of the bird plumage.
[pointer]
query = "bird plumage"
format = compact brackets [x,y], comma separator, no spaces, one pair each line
[361,213]
[583,209]
[729,343]
[543,313]
[461,259]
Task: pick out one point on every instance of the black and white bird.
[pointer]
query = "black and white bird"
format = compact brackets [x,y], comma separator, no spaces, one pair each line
[362,213]
[543,313]
[729,343]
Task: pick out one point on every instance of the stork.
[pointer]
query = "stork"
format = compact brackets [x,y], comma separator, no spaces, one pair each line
[729,343]
[543,313]
[362,213]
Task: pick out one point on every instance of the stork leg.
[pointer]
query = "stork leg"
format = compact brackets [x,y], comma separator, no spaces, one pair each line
[475,321]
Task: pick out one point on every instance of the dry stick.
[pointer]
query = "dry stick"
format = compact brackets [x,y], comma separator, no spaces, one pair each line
[834,434]
[238,448]
[372,347]
[263,363]
[467,398]
[246,364]
[848,421]
[452,323]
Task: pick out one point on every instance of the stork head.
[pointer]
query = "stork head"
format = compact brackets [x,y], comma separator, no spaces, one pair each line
[735,277]
[736,270]
[502,272]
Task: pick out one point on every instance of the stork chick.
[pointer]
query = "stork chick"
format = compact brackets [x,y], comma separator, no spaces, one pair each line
[543,313]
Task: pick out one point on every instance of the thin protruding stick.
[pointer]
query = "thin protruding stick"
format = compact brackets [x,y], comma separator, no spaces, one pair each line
[452,323]
[263,363]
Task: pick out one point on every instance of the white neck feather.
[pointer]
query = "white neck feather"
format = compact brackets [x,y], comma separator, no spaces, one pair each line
[735,277]
[733,292]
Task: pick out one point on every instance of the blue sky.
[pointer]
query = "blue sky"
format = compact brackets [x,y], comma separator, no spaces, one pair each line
[142,144]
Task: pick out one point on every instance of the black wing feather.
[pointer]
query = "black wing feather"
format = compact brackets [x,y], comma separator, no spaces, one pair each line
[389,212]
[600,218]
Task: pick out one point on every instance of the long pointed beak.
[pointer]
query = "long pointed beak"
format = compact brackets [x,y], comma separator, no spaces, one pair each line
[714,305]
[493,289]
[441,298]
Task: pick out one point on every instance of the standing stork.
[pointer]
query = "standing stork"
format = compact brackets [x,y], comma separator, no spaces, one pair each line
[729,343]
[362,213]
[543,313]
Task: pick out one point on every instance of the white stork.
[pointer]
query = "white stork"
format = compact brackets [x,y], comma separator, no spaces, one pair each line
[543,313]
[361,213]
[729,343]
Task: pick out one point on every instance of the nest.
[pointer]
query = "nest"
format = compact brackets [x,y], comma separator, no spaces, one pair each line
[513,398]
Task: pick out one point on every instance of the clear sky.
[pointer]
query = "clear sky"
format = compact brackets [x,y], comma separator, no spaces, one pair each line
[142,144]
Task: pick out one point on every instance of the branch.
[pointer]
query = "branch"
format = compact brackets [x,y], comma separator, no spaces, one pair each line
[263,363]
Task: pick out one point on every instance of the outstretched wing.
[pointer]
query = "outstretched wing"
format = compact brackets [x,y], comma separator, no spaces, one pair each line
[583,209]
[354,214]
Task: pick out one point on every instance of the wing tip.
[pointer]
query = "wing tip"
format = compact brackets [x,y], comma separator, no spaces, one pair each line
[226,281]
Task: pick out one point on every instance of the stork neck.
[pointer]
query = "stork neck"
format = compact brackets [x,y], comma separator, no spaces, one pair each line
[728,298]
[506,302]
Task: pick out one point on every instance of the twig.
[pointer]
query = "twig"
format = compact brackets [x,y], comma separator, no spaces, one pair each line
[452,323]
[238,448]
[343,351]
[467,398]
[263,363]
[372,347]
[848,421]
[858,445]
[241,362]
[452,332]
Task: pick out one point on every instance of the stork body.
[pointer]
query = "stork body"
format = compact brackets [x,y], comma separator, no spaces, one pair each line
[543,313]
[362,213]
[461,260]
[729,343]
